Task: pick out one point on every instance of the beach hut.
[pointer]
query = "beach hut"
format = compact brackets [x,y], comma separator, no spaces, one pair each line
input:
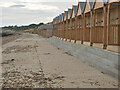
[73,23]
[113,19]
[99,21]
[79,21]
[54,27]
[69,24]
[65,24]
[45,30]
[57,25]
[88,21]
[60,24]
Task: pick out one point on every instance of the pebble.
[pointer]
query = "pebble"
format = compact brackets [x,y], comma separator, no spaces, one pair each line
[15,79]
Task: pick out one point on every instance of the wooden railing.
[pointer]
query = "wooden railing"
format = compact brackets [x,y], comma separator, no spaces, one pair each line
[114,35]
[87,34]
[98,34]
[78,34]
[72,34]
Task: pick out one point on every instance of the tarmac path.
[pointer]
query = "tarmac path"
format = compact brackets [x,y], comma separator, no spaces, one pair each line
[32,62]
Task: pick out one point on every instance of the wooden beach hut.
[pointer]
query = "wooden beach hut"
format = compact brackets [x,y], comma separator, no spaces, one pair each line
[65,24]
[113,22]
[88,21]
[57,25]
[73,23]
[69,24]
[79,21]
[60,23]
[54,26]
[99,22]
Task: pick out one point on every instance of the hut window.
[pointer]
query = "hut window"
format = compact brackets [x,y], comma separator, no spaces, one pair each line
[113,16]
[113,19]
[99,18]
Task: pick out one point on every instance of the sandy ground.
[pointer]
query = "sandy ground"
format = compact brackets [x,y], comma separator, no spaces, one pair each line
[10,38]
[32,62]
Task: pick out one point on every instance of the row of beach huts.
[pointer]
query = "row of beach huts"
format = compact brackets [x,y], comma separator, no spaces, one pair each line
[93,22]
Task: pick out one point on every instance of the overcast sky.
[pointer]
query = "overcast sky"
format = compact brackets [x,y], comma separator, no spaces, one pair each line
[24,12]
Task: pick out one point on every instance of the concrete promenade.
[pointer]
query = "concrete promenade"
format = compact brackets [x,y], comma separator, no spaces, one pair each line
[32,59]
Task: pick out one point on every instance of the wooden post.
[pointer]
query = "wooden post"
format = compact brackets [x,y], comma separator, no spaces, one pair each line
[63,30]
[75,27]
[83,28]
[60,30]
[70,30]
[105,29]
[80,28]
[119,25]
[66,30]
[108,23]
[91,29]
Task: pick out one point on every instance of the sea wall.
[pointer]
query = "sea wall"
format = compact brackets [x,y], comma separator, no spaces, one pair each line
[103,60]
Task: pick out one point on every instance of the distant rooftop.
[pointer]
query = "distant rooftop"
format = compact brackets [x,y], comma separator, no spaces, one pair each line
[45,27]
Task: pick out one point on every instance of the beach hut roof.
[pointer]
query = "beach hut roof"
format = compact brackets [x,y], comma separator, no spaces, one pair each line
[82,5]
[75,9]
[65,15]
[73,13]
[113,1]
[99,4]
[89,5]
[69,13]
[80,8]
[45,27]
[57,19]
[62,16]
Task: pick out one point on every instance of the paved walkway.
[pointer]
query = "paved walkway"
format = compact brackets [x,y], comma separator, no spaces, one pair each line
[31,61]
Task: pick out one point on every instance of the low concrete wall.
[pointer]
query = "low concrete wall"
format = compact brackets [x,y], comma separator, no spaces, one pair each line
[105,61]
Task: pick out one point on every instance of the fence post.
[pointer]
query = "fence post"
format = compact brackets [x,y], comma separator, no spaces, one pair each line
[63,29]
[108,23]
[59,29]
[91,29]
[105,29]
[79,27]
[119,25]
[75,27]
[70,30]
[82,29]
[66,30]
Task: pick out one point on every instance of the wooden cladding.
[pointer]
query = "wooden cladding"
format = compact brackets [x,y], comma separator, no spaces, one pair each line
[97,26]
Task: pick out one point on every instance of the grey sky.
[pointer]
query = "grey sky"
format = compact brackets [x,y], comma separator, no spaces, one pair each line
[24,12]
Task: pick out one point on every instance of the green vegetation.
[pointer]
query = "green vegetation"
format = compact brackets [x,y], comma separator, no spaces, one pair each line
[31,26]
